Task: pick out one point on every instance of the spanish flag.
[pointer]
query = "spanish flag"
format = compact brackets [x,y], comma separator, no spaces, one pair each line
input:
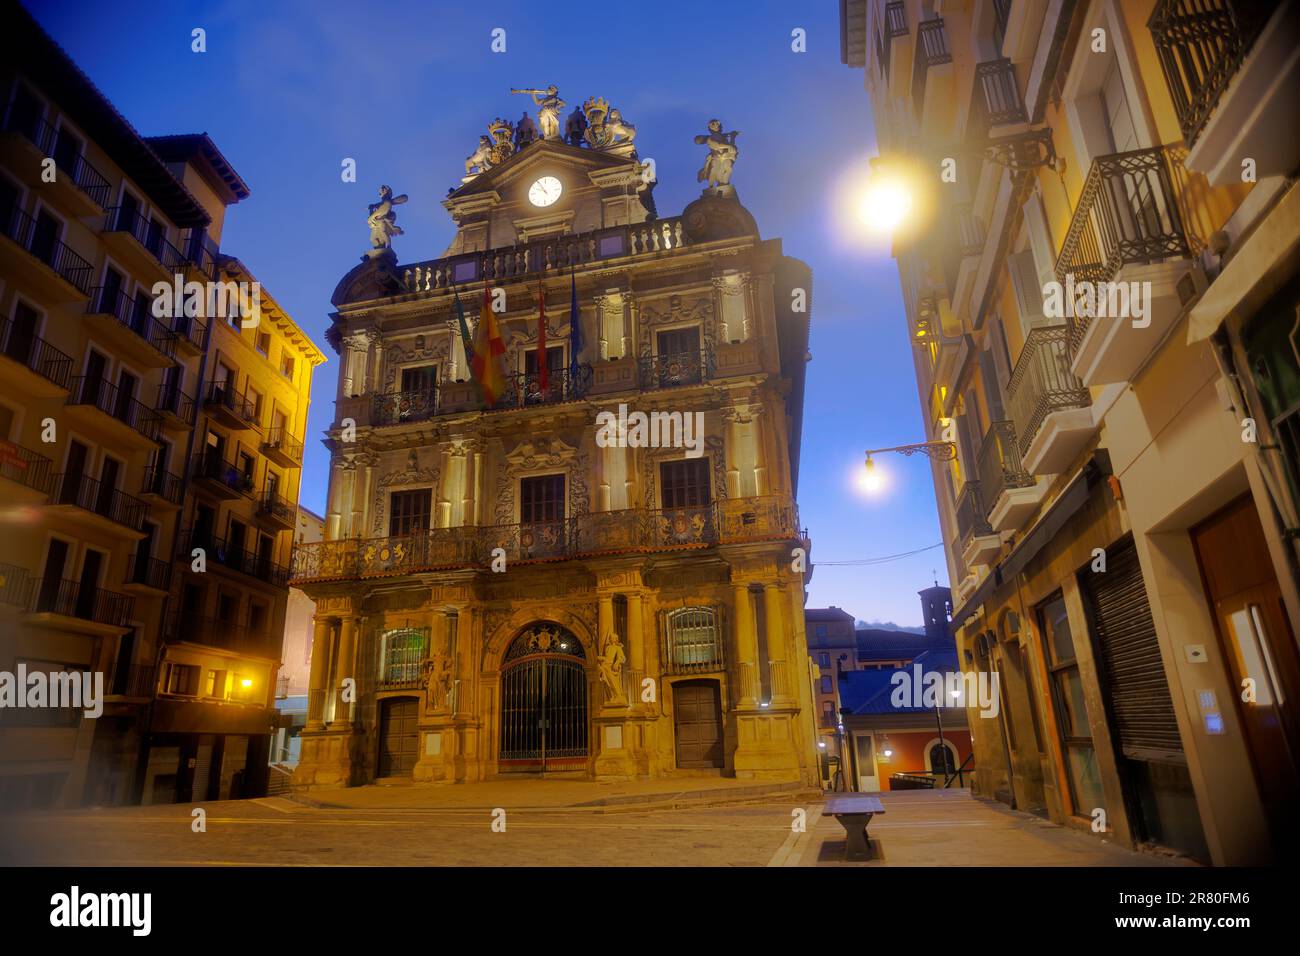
[489,354]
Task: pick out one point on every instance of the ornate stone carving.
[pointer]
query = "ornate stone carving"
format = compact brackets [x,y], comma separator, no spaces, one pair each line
[382,221]
[412,474]
[539,455]
[654,313]
[428,348]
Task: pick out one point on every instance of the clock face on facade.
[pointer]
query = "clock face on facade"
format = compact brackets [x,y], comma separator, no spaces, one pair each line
[545,191]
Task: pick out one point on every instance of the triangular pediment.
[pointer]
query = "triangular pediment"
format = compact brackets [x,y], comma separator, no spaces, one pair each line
[548,153]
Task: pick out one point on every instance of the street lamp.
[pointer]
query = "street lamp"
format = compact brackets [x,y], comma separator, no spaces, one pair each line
[936,450]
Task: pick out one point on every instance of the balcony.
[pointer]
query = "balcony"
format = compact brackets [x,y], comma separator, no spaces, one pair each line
[1051,408]
[24,475]
[524,389]
[79,186]
[103,406]
[161,487]
[80,497]
[15,586]
[895,47]
[128,323]
[225,635]
[132,682]
[174,406]
[1126,228]
[149,576]
[729,521]
[1011,493]
[189,335]
[32,364]
[277,511]
[1231,67]
[141,243]
[995,99]
[547,254]
[221,477]
[675,369]
[220,552]
[33,250]
[231,409]
[979,543]
[200,255]
[282,448]
[932,74]
[63,603]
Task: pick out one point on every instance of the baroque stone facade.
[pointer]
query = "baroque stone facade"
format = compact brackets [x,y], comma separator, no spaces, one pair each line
[501,590]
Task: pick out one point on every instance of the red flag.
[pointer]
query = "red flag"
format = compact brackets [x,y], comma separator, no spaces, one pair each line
[543,366]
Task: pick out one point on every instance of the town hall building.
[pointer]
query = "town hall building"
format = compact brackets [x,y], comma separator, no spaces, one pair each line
[506,588]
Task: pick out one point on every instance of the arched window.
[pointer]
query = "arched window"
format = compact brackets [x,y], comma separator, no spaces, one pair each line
[941,757]
[693,643]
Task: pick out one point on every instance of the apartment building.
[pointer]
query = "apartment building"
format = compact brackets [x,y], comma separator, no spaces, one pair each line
[1120,515]
[103,407]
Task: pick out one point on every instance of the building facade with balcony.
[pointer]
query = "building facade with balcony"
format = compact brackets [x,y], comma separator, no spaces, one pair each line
[498,591]
[1108,454]
[99,416]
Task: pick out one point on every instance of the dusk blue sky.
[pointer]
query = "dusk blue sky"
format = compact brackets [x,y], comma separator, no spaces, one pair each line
[288,89]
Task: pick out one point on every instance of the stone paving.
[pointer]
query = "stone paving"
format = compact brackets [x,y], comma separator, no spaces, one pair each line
[681,825]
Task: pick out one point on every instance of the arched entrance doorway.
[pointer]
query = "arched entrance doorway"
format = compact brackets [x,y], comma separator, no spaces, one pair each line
[543,701]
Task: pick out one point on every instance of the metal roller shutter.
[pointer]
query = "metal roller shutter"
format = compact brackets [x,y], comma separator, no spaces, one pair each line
[1133,675]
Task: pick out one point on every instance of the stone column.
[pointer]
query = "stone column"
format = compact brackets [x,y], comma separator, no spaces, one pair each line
[320,656]
[776,644]
[464,661]
[347,668]
[635,633]
[746,647]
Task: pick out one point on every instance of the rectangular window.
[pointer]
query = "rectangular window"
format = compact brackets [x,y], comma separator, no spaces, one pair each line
[408,511]
[693,643]
[823,659]
[828,714]
[828,686]
[264,343]
[685,483]
[541,499]
[420,378]
[286,366]
[180,679]
[1067,700]
[216,685]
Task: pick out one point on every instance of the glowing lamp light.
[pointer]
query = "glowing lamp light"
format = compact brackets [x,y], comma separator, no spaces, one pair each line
[885,204]
[246,683]
[871,480]
[822,744]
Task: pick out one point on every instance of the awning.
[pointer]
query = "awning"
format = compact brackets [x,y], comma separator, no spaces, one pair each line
[1063,509]
[1261,265]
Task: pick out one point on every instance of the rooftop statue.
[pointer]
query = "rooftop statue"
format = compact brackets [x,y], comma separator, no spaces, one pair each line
[605,126]
[480,160]
[503,147]
[574,127]
[549,105]
[525,131]
[383,221]
[620,132]
[722,156]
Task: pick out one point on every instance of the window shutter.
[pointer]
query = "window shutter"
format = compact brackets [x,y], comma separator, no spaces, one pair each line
[1029,294]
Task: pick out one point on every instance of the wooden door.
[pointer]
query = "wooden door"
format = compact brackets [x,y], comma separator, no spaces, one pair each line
[697,718]
[398,737]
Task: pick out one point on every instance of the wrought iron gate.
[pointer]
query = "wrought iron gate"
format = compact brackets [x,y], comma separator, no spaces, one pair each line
[544,701]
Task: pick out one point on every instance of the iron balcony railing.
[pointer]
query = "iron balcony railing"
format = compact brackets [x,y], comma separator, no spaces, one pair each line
[269,503]
[175,402]
[69,161]
[226,635]
[104,500]
[151,572]
[26,467]
[281,439]
[282,687]
[548,254]
[210,466]
[1201,45]
[398,408]
[563,385]
[1001,14]
[972,516]
[1000,465]
[1127,214]
[133,312]
[199,252]
[191,329]
[132,680]
[931,50]
[149,233]
[40,240]
[74,599]
[112,401]
[223,395]
[676,368]
[15,586]
[35,353]
[895,26]
[996,97]
[1043,383]
[164,484]
[220,551]
[731,521]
